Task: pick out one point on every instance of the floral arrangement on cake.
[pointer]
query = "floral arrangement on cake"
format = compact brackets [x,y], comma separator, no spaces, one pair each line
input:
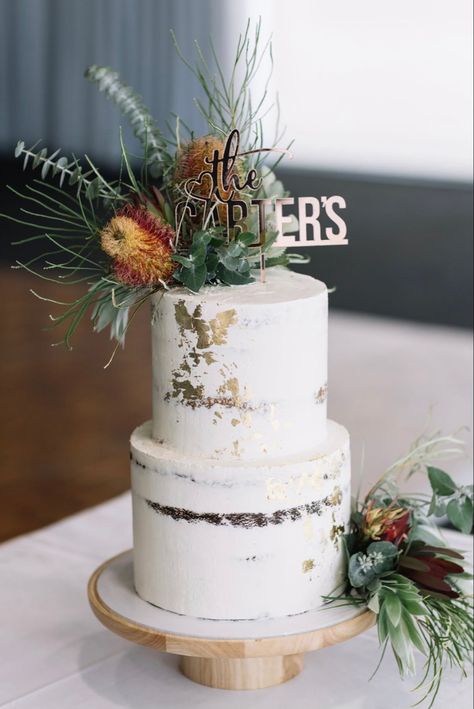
[125,239]
[400,568]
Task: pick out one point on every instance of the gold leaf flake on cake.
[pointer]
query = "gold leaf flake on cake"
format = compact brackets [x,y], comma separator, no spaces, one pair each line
[322,394]
[336,497]
[231,388]
[337,530]
[210,333]
[235,422]
[186,390]
[308,565]
[196,335]
[182,317]
[220,325]
[296,485]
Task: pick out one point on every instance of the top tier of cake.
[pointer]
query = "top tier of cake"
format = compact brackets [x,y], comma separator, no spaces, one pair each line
[241,372]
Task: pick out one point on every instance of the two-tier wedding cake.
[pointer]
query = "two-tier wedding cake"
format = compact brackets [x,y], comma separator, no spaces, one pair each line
[241,486]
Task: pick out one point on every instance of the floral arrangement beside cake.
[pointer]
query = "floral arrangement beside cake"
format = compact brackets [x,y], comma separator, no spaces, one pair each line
[240,484]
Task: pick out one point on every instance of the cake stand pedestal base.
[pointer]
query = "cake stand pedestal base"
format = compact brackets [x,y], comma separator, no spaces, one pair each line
[241,672]
[225,654]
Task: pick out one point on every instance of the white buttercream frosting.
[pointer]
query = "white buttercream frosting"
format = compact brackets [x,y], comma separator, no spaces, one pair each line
[241,372]
[234,541]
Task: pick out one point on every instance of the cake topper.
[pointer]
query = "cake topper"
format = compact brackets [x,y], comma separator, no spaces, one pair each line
[220,184]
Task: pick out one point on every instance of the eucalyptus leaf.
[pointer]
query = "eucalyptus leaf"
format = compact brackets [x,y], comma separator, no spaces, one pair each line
[211,264]
[383,555]
[19,148]
[201,238]
[460,514]
[197,254]
[39,157]
[194,277]
[277,261]
[441,483]
[48,163]
[361,571]
[440,508]
[247,238]
[60,164]
[232,278]
[183,260]
[93,189]
[365,568]
[432,507]
[45,169]
[75,175]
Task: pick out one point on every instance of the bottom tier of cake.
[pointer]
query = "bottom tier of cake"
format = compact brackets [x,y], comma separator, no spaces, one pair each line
[239,540]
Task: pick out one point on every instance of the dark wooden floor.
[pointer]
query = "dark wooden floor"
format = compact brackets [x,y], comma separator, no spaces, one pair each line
[65,421]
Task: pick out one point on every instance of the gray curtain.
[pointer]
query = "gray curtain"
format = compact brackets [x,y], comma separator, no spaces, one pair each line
[45,45]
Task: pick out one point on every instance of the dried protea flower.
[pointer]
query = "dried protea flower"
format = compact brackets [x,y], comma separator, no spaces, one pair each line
[141,246]
[192,161]
[388,524]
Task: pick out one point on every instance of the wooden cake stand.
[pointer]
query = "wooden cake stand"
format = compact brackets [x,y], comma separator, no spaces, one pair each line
[219,653]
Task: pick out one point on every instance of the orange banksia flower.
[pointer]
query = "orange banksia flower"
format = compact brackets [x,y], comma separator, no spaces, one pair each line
[141,246]
[192,161]
[388,524]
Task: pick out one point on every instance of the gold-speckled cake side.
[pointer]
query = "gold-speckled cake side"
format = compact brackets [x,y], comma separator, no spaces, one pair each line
[241,372]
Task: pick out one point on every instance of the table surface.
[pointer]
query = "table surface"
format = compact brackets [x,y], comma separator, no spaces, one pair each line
[55,654]
[391,380]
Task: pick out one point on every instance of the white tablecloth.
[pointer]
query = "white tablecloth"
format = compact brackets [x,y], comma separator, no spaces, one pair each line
[55,654]
[390,379]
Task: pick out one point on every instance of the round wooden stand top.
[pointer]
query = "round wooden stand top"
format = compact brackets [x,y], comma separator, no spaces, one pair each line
[226,654]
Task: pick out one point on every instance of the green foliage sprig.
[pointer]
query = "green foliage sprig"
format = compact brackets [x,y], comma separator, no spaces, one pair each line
[230,103]
[451,499]
[91,183]
[132,106]
[212,260]
[400,567]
